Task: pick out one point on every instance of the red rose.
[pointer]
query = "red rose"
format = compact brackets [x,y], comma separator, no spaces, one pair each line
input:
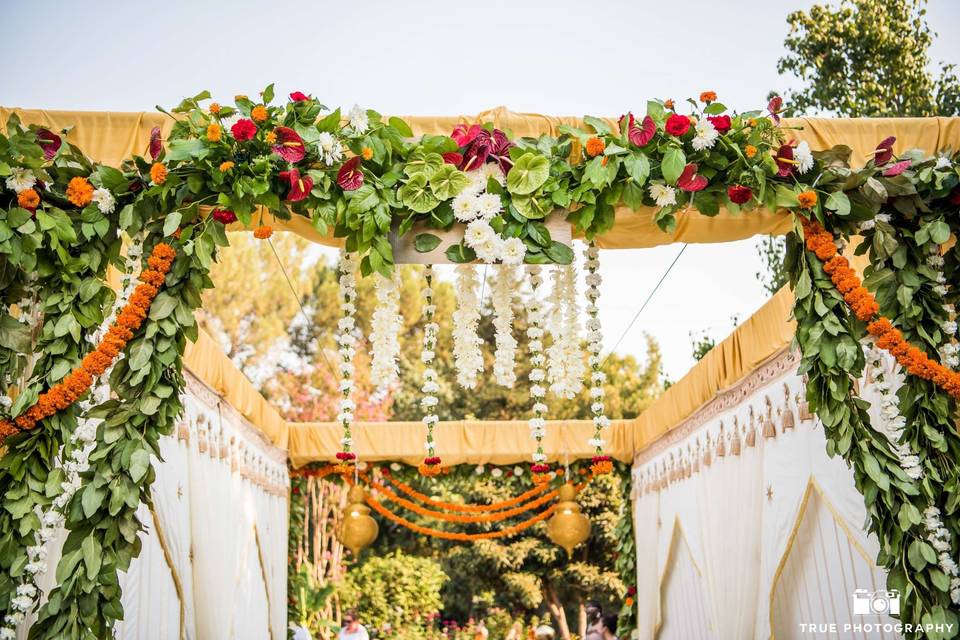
[739,194]
[350,177]
[721,123]
[299,96]
[300,186]
[677,125]
[224,216]
[244,129]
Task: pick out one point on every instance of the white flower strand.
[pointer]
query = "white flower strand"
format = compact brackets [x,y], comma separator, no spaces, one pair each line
[950,350]
[538,392]
[467,357]
[565,360]
[501,292]
[430,386]
[82,442]
[594,345]
[347,343]
[891,425]
[386,324]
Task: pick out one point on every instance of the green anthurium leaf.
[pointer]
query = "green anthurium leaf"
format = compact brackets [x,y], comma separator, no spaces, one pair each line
[423,163]
[528,174]
[533,208]
[448,181]
[417,195]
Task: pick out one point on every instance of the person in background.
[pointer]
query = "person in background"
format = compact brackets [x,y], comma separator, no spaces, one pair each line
[609,626]
[594,621]
[481,632]
[544,632]
[352,629]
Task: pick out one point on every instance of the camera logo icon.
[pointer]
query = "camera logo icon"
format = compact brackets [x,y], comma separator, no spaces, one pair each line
[867,603]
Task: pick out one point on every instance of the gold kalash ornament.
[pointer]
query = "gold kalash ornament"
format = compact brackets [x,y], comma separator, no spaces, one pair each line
[358,529]
[568,527]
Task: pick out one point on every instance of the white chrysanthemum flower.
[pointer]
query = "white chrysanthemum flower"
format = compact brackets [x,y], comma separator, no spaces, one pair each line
[518,471]
[331,151]
[478,232]
[663,194]
[514,251]
[493,170]
[803,157]
[496,472]
[466,206]
[706,135]
[359,120]
[943,162]
[21,178]
[479,470]
[488,205]
[491,249]
[104,200]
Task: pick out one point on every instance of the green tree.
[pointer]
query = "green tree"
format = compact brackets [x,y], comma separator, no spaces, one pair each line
[772,250]
[867,58]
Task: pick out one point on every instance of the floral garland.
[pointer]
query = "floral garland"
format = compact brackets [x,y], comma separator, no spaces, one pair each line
[385,332]
[347,341]
[465,508]
[538,392]
[601,463]
[94,364]
[865,307]
[467,357]
[941,541]
[950,350]
[431,464]
[505,356]
[565,361]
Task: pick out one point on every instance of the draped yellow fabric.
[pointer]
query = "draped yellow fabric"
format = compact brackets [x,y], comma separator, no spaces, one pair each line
[207,361]
[459,442]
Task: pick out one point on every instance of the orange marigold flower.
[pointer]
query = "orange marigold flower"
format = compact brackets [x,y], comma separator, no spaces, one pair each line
[595,146]
[258,113]
[214,108]
[708,96]
[28,199]
[226,166]
[158,173]
[750,150]
[262,233]
[668,103]
[367,153]
[214,132]
[752,122]
[80,191]
[271,137]
[807,199]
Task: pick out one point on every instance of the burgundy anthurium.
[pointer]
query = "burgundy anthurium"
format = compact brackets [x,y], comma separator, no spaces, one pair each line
[639,135]
[156,144]
[477,151]
[774,107]
[689,180]
[464,134]
[739,194]
[785,162]
[300,186]
[289,145]
[500,150]
[49,142]
[454,158]
[350,176]
[884,151]
[897,168]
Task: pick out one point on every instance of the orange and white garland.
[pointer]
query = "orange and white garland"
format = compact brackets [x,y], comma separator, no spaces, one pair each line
[63,394]
[431,462]
[602,463]
[347,349]
[538,375]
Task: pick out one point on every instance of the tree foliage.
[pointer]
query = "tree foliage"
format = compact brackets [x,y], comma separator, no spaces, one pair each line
[867,58]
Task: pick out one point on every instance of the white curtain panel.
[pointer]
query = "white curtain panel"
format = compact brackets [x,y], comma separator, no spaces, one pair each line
[765,529]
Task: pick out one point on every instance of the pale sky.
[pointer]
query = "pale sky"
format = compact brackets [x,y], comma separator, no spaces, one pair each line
[602,57]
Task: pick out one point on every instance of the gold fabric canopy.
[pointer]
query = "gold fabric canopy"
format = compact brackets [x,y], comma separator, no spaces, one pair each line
[112,137]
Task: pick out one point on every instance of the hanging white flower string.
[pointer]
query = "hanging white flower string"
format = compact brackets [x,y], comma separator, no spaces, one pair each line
[81,444]
[950,351]
[347,343]
[385,333]
[565,359]
[431,462]
[467,357]
[891,424]
[501,293]
[538,392]
[601,463]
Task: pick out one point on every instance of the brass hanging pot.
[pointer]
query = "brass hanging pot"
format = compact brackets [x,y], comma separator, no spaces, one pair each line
[568,527]
[358,529]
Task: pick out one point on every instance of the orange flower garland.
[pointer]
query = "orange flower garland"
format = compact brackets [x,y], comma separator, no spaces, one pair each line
[468,508]
[94,364]
[866,308]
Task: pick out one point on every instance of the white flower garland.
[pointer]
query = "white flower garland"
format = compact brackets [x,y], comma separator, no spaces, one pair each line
[535,317]
[565,361]
[594,345]
[950,350]
[347,346]
[467,357]
[891,425]
[505,357]
[386,324]
[82,443]
[430,385]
